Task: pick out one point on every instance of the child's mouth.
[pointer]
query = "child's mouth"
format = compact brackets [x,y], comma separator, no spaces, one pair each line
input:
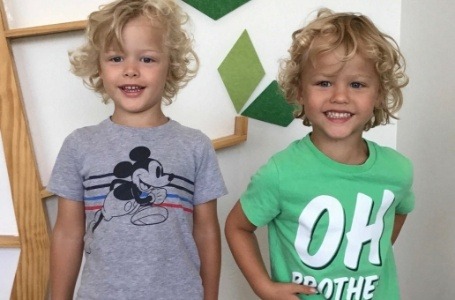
[131,88]
[337,115]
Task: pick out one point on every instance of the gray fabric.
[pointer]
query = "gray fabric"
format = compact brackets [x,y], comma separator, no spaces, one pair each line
[139,186]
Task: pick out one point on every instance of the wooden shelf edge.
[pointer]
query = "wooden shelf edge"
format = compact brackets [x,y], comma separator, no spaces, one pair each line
[9,241]
[45,29]
[228,141]
[239,136]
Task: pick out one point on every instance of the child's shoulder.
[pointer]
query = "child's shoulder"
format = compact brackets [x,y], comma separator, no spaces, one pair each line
[87,131]
[389,154]
[187,131]
[289,153]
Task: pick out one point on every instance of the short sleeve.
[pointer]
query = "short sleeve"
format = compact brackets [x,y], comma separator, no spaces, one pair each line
[66,180]
[260,202]
[209,183]
[407,201]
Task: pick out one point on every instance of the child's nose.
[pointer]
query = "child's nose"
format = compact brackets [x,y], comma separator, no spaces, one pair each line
[131,70]
[340,94]
[131,74]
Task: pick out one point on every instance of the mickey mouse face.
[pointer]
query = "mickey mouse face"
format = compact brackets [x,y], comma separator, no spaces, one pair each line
[154,176]
[146,173]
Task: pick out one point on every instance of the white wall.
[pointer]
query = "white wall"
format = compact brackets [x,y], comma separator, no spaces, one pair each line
[56,102]
[426,133]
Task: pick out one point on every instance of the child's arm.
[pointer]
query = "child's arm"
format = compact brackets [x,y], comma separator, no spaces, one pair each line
[398,224]
[245,249]
[206,233]
[67,248]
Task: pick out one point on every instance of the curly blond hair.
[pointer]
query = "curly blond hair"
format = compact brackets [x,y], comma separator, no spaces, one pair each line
[356,33]
[105,27]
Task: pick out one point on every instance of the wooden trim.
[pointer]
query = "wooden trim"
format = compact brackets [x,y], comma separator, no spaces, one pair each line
[9,241]
[46,194]
[32,274]
[239,136]
[46,29]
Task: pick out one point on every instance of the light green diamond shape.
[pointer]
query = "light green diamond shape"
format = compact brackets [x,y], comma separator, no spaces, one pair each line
[241,71]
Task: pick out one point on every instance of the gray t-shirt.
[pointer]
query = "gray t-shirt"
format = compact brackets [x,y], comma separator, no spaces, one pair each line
[139,187]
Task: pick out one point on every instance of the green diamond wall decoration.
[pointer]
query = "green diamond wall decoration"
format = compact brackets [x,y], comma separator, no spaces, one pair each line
[241,71]
[270,106]
[215,9]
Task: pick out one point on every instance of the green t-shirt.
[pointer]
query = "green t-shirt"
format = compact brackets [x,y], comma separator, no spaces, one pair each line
[330,224]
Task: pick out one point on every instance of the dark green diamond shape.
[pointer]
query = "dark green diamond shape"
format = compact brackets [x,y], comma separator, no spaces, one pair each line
[241,71]
[216,9]
[271,107]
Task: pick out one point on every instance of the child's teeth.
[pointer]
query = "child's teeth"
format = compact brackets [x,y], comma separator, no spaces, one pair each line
[338,115]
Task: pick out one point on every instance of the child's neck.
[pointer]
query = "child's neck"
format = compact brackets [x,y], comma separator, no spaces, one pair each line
[346,152]
[140,121]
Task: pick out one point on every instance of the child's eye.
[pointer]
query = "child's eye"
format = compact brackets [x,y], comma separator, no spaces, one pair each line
[116,59]
[324,83]
[147,60]
[357,85]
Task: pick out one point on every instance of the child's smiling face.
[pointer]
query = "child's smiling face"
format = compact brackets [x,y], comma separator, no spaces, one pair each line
[339,97]
[134,77]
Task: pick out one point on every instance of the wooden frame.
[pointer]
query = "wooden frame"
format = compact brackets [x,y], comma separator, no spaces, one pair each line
[33,272]
[31,281]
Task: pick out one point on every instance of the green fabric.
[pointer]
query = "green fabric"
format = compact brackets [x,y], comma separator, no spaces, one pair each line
[216,9]
[270,106]
[241,71]
[330,224]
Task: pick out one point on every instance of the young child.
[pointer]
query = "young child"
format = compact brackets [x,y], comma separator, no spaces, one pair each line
[137,193]
[334,202]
